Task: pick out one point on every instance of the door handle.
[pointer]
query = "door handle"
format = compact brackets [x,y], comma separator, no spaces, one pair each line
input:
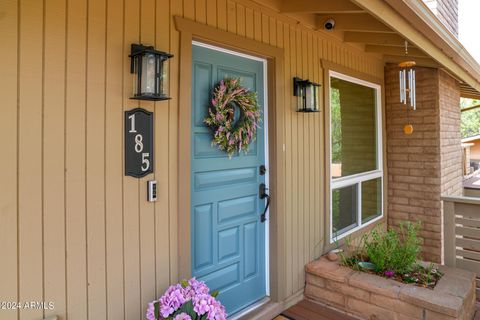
[262,194]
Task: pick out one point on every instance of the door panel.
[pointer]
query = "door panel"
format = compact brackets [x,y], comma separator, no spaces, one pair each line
[228,239]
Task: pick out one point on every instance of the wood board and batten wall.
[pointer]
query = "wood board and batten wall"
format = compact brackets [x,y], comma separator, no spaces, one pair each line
[73,229]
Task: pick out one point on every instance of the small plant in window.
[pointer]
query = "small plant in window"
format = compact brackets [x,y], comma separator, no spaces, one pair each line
[392,253]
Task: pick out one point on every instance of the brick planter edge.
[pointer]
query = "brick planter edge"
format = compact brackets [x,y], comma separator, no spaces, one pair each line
[373,297]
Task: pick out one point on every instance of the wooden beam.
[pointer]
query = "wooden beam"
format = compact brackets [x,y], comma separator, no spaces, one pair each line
[395,51]
[353,22]
[319,6]
[470,108]
[421,62]
[466,91]
[385,39]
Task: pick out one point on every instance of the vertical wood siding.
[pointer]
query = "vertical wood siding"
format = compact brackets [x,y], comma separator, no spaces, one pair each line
[73,229]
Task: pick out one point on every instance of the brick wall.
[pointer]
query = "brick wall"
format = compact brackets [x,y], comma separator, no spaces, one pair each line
[446,11]
[426,164]
[450,137]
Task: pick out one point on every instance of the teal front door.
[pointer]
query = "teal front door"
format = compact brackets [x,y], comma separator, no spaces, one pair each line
[228,237]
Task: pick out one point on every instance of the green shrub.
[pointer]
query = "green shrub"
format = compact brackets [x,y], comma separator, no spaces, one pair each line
[393,250]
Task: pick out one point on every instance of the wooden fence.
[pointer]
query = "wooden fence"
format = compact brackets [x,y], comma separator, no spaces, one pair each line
[462,234]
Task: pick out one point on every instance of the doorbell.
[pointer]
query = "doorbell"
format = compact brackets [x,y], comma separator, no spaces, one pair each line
[152,190]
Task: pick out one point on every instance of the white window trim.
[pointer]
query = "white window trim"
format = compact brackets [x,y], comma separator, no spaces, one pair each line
[357,179]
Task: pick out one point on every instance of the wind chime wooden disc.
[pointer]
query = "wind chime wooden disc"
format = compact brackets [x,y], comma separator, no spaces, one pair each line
[407,64]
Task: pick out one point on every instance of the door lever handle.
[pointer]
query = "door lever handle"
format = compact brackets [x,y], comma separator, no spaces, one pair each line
[262,194]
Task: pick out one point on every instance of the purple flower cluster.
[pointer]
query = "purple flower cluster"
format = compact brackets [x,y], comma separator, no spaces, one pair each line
[389,273]
[196,288]
[182,316]
[177,295]
[206,304]
[172,300]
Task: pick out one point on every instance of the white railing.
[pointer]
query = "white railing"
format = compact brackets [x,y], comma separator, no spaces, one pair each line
[461,220]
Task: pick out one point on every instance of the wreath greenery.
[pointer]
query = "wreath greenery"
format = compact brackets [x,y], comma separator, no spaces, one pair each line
[230,135]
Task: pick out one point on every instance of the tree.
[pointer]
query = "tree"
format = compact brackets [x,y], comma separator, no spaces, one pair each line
[470,120]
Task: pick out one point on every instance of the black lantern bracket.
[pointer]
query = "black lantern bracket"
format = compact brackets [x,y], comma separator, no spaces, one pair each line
[308,95]
[149,68]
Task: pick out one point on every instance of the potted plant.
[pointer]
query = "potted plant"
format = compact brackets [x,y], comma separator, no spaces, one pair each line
[393,254]
[187,300]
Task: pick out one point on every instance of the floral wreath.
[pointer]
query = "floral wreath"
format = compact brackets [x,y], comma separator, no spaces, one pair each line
[229,135]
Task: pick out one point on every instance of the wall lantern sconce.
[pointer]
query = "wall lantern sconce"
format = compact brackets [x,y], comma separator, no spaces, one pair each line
[307,93]
[150,70]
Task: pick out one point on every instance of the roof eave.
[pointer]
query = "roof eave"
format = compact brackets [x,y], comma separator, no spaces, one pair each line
[414,21]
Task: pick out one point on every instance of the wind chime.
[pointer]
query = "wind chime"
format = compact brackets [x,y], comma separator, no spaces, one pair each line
[407,88]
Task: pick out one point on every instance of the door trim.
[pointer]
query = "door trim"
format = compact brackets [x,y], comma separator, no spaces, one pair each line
[190,31]
[265,136]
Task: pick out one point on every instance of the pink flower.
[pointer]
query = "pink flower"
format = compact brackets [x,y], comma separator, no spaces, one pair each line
[206,304]
[177,295]
[182,316]
[222,87]
[172,300]
[201,304]
[389,273]
[219,117]
[151,311]
[195,288]
[217,311]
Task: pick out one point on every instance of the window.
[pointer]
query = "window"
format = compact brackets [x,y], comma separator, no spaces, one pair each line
[356,168]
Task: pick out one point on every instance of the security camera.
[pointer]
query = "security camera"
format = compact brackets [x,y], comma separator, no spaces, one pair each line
[329,24]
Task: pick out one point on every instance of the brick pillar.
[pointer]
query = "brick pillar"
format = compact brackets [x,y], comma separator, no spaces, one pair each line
[450,137]
[423,166]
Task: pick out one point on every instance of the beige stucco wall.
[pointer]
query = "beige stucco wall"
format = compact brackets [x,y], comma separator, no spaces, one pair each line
[73,229]
[475,150]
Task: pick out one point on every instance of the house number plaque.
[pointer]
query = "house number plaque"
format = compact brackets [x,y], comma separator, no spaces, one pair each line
[138,142]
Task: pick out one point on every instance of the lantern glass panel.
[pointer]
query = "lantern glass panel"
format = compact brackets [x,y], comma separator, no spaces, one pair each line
[135,76]
[316,95]
[309,97]
[148,74]
[300,98]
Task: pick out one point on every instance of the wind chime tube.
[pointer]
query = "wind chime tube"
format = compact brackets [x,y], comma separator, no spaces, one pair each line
[414,91]
[410,91]
[404,78]
[401,85]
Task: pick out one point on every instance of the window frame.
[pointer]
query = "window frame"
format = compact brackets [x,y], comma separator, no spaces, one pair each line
[359,178]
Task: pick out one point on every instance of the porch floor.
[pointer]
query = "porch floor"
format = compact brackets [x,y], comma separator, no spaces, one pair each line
[308,310]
